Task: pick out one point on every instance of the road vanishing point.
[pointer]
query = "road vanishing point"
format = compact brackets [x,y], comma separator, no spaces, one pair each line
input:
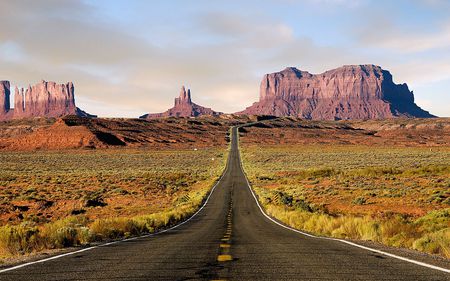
[229,238]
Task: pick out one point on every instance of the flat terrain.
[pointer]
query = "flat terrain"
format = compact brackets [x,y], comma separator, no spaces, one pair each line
[73,132]
[393,194]
[75,182]
[355,179]
[41,188]
[432,132]
[229,239]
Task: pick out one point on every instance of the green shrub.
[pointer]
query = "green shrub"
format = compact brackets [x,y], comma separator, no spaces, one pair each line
[359,201]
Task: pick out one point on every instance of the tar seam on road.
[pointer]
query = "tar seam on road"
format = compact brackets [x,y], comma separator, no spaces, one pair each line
[328,238]
[124,240]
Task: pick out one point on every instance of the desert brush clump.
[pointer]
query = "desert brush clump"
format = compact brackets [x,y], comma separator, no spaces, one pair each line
[392,195]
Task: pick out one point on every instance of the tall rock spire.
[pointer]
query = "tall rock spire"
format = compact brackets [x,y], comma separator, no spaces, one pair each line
[184,98]
[18,101]
[184,107]
[4,97]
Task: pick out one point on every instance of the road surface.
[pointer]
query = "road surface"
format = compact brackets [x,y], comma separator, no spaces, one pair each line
[229,239]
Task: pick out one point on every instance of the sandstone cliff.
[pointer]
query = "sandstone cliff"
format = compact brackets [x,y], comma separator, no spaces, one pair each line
[184,107]
[348,92]
[4,97]
[45,99]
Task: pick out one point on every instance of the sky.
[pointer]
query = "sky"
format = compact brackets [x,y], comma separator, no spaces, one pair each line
[127,58]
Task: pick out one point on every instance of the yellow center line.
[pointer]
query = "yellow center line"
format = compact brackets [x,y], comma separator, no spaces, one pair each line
[225,245]
[222,258]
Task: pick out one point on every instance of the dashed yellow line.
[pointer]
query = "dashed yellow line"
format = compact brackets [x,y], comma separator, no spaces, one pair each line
[222,258]
[225,245]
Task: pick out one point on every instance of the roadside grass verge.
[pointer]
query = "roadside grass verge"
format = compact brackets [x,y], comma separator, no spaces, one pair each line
[72,231]
[54,200]
[395,196]
[429,233]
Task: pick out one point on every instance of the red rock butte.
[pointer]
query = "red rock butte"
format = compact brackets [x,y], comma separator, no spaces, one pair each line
[348,92]
[184,107]
[45,99]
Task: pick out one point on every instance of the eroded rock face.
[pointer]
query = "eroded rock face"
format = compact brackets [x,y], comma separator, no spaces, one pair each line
[45,99]
[184,107]
[5,110]
[348,92]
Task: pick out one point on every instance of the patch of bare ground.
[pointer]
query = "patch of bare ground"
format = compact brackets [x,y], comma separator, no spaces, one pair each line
[75,132]
[394,132]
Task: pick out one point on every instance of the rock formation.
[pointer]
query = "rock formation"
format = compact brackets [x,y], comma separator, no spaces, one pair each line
[45,99]
[348,92]
[184,107]
[4,97]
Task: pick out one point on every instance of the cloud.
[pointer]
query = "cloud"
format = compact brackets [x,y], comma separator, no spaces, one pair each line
[116,68]
[127,64]
[246,31]
[348,3]
[345,3]
[386,34]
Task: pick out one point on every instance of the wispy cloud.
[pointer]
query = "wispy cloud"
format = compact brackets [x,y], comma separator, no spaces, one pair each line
[386,34]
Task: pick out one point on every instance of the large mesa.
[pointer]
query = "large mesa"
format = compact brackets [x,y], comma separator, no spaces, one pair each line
[45,99]
[348,92]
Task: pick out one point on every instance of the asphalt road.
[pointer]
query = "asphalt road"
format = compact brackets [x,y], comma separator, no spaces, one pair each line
[229,239]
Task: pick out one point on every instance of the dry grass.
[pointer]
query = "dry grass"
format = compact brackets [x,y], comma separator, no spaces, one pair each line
[69,198]
[396,196]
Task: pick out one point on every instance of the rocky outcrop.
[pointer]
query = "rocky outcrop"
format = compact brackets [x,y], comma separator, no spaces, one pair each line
[184,107]
[348,92]
[45,99]
[4,97]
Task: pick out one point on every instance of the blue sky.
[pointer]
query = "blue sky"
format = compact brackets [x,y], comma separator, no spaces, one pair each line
[128,58]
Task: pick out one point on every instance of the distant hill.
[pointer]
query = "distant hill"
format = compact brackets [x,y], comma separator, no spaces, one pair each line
[71,132]
[348,92]
[184,107]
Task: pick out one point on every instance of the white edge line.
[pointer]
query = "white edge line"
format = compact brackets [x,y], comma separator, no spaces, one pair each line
[333,239]
[124,240]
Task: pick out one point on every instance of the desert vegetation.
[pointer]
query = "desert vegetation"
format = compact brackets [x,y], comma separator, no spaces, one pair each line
[76,197]
[398,196]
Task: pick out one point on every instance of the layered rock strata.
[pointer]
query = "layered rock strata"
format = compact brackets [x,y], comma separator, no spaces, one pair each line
[348,92]
[45,99]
